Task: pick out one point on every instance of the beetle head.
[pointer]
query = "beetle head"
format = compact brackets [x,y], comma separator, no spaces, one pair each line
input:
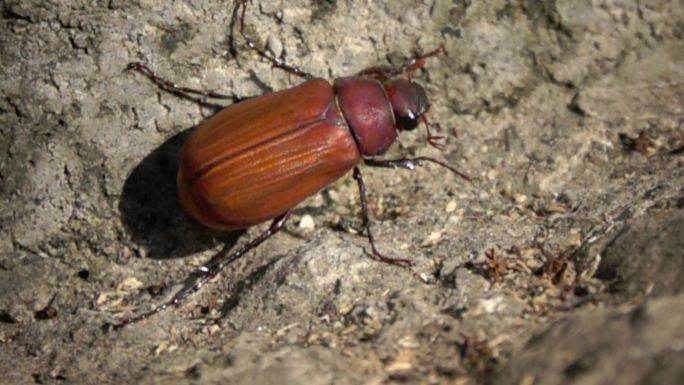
[409,102]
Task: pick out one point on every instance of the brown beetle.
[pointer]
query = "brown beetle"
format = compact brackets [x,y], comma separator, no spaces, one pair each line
[255,160]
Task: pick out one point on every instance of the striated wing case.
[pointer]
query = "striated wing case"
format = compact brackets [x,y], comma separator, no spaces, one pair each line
[256,159]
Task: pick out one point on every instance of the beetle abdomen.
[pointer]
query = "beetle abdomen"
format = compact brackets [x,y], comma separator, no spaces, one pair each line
[255,160]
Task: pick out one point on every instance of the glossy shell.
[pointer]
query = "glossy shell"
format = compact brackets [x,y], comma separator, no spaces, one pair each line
[257,159]
[369,113]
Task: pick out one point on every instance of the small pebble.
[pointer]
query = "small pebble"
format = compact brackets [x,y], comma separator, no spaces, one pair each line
[307,222]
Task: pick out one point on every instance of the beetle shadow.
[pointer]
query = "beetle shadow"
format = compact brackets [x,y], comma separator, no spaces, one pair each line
[151,212]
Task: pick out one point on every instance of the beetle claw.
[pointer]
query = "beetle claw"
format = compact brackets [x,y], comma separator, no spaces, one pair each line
[375,255]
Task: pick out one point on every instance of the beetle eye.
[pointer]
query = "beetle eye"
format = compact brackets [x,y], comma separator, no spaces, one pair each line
[407,122]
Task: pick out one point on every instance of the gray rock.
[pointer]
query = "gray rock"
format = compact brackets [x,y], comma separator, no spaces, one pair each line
[567,115]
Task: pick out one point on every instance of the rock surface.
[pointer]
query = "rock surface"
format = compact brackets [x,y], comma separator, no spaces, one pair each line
[561,263]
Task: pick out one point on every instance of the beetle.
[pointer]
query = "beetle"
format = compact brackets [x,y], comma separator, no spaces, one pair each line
[255,160]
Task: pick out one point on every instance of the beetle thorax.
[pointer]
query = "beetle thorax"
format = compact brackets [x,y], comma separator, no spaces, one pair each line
[368,112]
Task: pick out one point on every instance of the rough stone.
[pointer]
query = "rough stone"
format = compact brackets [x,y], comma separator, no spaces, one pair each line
[560,263]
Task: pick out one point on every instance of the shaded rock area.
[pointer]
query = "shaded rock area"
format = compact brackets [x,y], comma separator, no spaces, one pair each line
[561,263]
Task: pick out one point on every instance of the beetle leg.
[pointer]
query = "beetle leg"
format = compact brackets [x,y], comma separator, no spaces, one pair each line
[206,272]
[275,62]
[366,224]
[418,62]
[412,163]
[171,87]
[384,73]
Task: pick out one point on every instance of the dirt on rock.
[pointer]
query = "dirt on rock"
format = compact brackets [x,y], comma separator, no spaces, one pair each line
[562,262]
